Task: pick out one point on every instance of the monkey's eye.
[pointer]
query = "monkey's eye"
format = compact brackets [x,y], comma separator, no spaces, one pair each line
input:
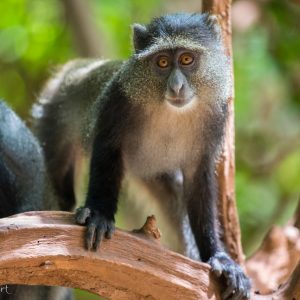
[163,62]
[186,59]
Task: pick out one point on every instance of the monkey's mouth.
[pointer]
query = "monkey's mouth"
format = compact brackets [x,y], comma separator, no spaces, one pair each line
[179,102]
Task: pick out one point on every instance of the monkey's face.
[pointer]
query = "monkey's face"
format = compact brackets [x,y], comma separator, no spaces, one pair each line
[179,60]
[175,69]
[179,77]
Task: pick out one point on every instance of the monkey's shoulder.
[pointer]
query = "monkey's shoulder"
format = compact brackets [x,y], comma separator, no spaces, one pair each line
[92,72]
[79,78]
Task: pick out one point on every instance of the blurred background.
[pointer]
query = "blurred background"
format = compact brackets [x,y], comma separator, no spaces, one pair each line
[36,36]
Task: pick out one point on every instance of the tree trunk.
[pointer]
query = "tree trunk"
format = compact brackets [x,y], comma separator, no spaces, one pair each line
[226,169]
[85,35]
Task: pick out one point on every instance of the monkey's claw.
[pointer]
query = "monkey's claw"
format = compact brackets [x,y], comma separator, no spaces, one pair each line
[98,226]
[238,286]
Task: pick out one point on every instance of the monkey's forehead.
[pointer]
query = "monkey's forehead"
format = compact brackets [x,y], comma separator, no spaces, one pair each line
[169,43]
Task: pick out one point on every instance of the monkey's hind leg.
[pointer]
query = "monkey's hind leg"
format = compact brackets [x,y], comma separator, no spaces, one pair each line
[60,156]
[167,191]
[57,121]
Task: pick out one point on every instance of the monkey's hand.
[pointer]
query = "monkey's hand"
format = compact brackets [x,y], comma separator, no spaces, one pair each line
[98,226]
[237,284]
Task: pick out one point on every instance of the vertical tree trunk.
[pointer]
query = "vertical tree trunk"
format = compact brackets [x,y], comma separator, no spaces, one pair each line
[228,217]
[86,36]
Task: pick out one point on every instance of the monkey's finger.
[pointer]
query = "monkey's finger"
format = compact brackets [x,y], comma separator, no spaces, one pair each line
[81,215]
[243,296]
[248,293]
[238,296]
[230,293]
[248,286]
[216,266]
[110,231]
[232,290]
[99,236]
[238,291]
[90,236]
[244,287]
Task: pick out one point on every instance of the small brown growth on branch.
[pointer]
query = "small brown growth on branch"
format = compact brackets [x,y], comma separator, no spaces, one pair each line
[149,229]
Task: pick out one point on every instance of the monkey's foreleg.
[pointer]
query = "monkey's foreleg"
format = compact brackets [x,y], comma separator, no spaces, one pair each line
[201,208]
[101,205]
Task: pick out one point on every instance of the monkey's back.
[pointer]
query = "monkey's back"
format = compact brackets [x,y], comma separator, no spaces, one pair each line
[65,102]
[60,118]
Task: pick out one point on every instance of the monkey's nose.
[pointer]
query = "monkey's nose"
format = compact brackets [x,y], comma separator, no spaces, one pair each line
[176,88]
[176,83]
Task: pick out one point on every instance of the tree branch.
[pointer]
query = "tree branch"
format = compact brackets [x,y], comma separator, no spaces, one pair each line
[273,263]
[291,289]
[275,260]
[288,291]
[46,248]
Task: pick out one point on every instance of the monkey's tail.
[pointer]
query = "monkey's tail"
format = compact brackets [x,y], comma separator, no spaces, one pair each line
[23,180]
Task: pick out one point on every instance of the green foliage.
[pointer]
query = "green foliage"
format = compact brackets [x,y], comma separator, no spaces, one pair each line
[82,295]
[32,38]
[114,19]
[287,174]
[267,120]
[257,201]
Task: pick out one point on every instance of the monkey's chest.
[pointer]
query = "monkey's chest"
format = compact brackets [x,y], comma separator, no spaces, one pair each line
[162,143]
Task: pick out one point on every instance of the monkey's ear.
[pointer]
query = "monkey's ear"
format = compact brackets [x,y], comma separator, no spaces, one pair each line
[140,35]
[214,25]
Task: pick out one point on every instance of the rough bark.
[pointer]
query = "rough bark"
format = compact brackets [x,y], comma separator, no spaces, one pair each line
[46,248]
[226,170]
